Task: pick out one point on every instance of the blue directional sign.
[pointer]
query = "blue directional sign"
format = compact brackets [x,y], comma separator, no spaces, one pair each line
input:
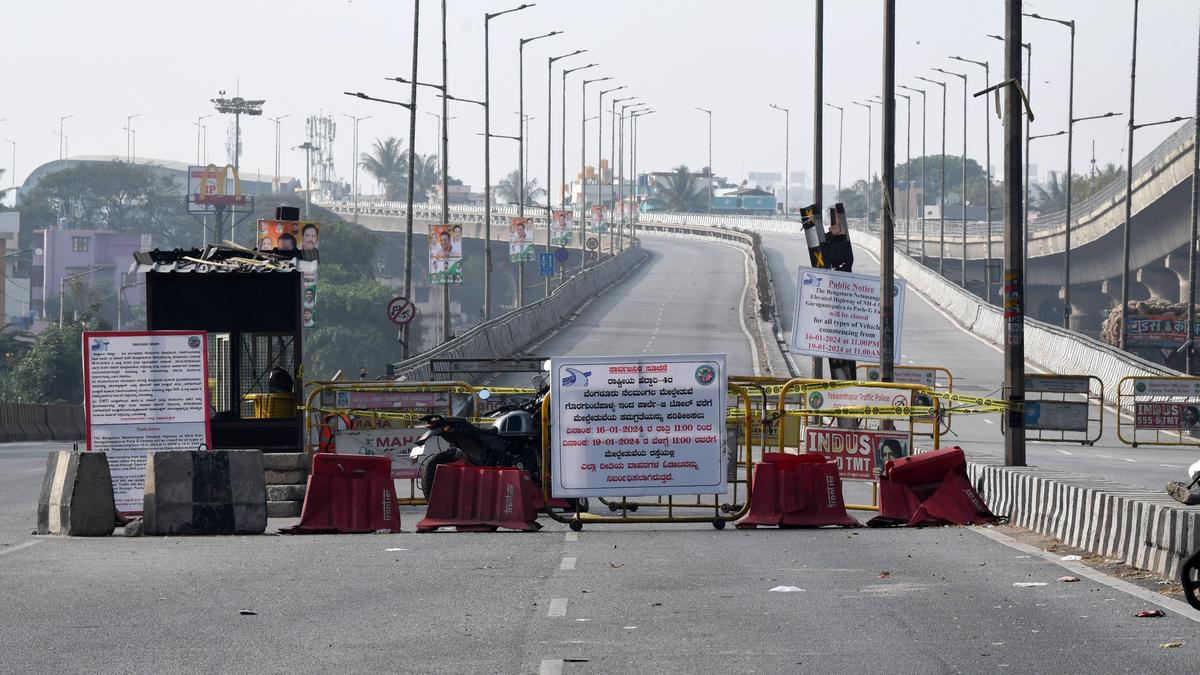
[546,264]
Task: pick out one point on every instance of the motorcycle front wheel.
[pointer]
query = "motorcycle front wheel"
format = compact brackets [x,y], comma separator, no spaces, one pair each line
[429,469]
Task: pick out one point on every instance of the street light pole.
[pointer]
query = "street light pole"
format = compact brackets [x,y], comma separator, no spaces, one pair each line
[710,169]
[613,181]
[199,127]
[550,144]
[1013,288]
[275,184]
[987,136]
[868,107]
[841,120]
[887,239]
[600,161]
[787,155]
[583,171]
[354,170]
[128,137]
[922,91]
[942,197]
[963,200]
[412,162]
[907,171]
[562,183]
[445,171]
[61,137]
[818,111]
[487,160]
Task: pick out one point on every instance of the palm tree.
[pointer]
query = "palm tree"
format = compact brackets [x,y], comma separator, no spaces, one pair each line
[428,175]
[509,192]
[386,163]
[679,191]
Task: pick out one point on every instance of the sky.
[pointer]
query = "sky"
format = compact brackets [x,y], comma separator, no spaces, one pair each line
[100,62]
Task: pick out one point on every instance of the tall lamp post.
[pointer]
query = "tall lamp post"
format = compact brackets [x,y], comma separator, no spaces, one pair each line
[550,145]
[62,136]
[907,171]
[787,154]
[613,171]
[841,120]
[922,214]
[128,137]
[868,107]
[199,131]
[963,200]
[636,186]
[487,160]
[1028,47]
[583,171]
[708,112]
[354,170]
[275,183]
[987,167]
[621,195]
[600,161]
[942,196]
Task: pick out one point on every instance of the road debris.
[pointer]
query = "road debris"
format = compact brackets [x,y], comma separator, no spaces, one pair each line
[1150,614]
[1068,579]
[786,589]
[1028,584]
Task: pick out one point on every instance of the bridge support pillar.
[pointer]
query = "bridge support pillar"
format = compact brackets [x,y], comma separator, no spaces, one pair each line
[1177,262]
[1044,303]
[1089,307]
[1161,281]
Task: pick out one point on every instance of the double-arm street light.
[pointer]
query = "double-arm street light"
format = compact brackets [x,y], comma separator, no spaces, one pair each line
[128,136]
[963,200]
[275,183]
[1028,47]
[787,155]
[633,106]
[636,185]
[202,131]
[942,195]
[549,142]
[353,170]
[907,171]
[614,165]
[600,160]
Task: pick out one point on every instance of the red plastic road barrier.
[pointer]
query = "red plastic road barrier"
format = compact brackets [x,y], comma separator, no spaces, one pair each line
[480,499]
[929,489]
[796,491]
[349,493]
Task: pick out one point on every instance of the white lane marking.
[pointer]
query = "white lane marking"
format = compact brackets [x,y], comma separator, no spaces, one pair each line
[567,564]
[988,421]
[1170,466]
[1131,461]
[1065,452]
[1180,608]
[558,607]
[18,547]
[551,667]
[571,536]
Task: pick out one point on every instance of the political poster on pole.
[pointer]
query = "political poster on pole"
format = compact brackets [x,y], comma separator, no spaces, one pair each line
[445,254]
[837,315]
[638,425]
[144,391]
[520,240]
[560,230]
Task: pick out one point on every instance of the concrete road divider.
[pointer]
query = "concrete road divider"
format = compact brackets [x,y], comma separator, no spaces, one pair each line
[203,492]
[77,495]
[10,429]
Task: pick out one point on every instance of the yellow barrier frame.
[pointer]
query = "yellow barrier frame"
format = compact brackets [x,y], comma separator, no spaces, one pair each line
[1127,408]
[782,412]
[949,388]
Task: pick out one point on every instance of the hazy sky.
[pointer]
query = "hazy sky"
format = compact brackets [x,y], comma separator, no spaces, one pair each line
[165,60]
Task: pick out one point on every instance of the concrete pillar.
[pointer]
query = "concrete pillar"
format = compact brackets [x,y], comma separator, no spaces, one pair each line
[1044,303]
[1177,262]
[1162,283]
[1089,306]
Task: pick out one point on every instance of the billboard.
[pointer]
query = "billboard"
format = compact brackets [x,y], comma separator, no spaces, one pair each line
[212,186]
[859,454]
[445,254]
[1166,416]
[560,229]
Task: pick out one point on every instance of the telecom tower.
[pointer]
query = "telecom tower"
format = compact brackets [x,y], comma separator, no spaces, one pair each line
[321,130]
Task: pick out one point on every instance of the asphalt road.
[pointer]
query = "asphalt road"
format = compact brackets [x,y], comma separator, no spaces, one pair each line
[612,598]
[931,338]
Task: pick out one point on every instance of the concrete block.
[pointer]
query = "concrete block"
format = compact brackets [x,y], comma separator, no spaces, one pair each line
[284,509]
[202,492]
[286,493]
[286,461]
[285,477]
[77,495]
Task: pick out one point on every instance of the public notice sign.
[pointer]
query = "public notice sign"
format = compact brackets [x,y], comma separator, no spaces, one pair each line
[638,425]
[144,391]
[859,454]
[837,315]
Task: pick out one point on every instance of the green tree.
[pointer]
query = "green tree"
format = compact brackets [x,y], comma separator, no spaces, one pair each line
[385,162]
[679,191]
[427,175]
[50,371]
[510,192]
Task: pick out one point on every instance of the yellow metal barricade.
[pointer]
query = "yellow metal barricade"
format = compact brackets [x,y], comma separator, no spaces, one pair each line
[1063,408]
[722,512]
[849,421]
[1158,411]
[937,378]
[324,419]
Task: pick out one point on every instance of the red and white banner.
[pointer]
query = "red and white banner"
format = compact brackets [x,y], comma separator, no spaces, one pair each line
[860,454]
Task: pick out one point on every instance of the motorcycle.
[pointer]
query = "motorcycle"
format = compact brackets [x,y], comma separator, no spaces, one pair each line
[513,439]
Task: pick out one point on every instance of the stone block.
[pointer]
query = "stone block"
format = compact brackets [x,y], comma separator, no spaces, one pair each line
[281,509]
[286,493]
[285,477]
[287,461]
[77,495]
[203,492]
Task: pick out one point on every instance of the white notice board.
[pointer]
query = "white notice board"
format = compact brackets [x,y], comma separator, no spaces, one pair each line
[837,315]
[144,391]
[638,425]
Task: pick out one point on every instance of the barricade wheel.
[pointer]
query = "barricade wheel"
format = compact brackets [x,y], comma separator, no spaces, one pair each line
[719,524]
[576,525]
